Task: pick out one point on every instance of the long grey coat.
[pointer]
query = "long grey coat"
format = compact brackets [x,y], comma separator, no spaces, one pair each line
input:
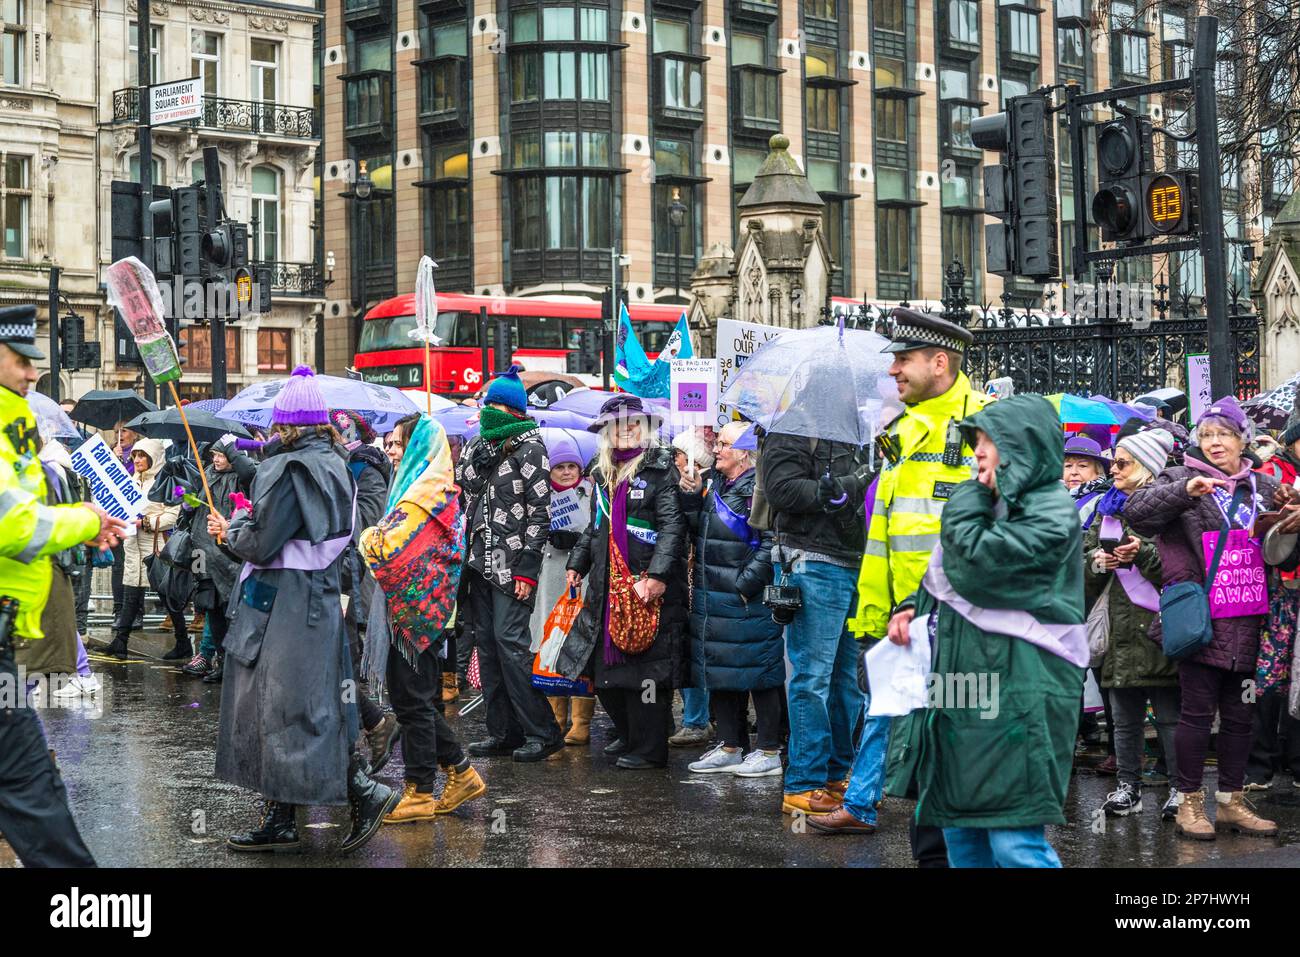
[288,714]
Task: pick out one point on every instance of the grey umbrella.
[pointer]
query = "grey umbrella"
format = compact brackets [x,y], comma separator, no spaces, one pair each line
[166,424]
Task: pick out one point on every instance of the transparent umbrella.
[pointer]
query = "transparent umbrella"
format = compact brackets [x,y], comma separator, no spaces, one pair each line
[826,383]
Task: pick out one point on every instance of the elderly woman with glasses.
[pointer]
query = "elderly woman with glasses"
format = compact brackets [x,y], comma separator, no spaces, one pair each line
[1188,508]
[1122,575]
[737,649]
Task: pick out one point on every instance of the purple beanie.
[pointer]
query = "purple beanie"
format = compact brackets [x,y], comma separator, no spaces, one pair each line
[300,401]
[1229,410]
[563,450]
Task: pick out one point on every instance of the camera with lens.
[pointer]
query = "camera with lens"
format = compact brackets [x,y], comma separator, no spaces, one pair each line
[784,600]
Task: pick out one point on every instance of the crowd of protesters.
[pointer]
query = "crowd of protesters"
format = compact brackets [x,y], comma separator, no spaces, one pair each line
[738,573]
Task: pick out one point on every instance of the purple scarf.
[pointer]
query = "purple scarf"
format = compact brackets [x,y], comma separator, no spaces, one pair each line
[1244,516]
[618,534]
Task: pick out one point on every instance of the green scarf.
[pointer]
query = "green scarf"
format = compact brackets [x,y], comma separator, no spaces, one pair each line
[496,426]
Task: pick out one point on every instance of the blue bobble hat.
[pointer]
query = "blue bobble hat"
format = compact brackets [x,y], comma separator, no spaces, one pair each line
[507,390]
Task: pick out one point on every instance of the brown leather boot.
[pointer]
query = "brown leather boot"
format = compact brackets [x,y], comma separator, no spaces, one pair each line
[560,706]
[1236,814]
[196,625]
[1191,820]
[450,688]
[461,786]
[581,709]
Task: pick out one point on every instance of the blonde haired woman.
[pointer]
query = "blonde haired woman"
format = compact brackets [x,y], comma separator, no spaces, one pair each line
[630,634]
[1123,569]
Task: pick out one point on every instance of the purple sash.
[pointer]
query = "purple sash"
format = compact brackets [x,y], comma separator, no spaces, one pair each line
[301,555]
[1065,641]
[1140,591]
[738,524]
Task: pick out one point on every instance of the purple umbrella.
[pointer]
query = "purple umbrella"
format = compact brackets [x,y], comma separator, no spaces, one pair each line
[585,402]
[380,405]
[457,422]
[587,442]
[208,405]
[560,420]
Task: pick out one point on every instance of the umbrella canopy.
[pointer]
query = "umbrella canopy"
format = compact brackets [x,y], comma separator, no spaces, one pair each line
[1175,399]
[166,424]
[826,383]
[104,409]
[561,419]
[380,405]
[208,405]
[1271,409]
[585,402]
[424,400]
[459,421]
[1076,411]
[51,421]
[587,442]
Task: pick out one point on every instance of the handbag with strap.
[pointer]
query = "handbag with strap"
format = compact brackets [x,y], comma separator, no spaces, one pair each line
[632,623]
[1098,627]
[1185,606]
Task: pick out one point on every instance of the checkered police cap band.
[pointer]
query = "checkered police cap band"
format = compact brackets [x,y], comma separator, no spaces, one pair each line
[18,330]
[909,333]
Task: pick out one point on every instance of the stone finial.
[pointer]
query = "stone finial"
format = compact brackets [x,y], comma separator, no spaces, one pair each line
[780,181]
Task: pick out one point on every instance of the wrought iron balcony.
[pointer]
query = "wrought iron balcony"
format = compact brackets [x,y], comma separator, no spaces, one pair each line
[254,117]
[293,279]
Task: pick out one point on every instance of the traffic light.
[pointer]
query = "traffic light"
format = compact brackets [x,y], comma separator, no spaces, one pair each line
[74,351]
[1124,158]
[1170,202]
[125,215]
[586,359]
[1021,191]
[188,225]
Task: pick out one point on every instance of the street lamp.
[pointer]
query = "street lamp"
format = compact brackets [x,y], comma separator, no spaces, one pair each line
[361,191]
[677,219]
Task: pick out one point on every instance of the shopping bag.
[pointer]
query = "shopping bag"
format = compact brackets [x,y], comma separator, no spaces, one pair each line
[554,634]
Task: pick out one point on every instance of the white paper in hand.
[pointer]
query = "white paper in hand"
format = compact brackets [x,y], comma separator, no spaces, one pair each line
[897,674]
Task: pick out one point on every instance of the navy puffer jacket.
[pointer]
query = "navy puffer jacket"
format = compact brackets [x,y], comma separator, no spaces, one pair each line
[735,645]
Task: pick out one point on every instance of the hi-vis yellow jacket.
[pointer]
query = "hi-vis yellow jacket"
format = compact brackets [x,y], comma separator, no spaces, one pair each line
[910,497]
[30,530]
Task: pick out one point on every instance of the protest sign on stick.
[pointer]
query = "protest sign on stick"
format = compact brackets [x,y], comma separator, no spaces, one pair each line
[110,482]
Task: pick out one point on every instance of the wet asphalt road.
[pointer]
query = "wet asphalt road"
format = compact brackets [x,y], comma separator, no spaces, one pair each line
[138,766]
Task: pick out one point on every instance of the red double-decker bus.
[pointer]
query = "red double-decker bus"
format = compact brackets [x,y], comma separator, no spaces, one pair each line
[545,330]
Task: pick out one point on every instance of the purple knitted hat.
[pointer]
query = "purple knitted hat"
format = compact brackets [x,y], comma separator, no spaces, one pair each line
[300,401]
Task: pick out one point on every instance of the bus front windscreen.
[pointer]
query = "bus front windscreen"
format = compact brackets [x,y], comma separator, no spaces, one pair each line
[394,332]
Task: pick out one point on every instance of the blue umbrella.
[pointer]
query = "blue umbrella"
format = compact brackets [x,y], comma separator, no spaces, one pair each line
[380,405]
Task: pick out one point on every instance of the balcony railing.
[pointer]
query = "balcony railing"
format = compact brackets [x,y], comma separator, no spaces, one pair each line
[293,279]
[254,117]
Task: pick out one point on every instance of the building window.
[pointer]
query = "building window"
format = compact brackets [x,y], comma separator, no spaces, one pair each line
[1128,41]
[1022,32]
[205,59]
[1013,86]
[823,106]
[964,22]
[1070,47]
[894,241]
[133,53]
[447,227]
[891,120]
[133,169]
[890,73]
[266,213]
[891,15]
[748,49]
[14,51]
[561,212]
[960,235]
[196,348]
[821,9]
[671,36]
[374,53]
[273,350]
[264,65]
[17,196]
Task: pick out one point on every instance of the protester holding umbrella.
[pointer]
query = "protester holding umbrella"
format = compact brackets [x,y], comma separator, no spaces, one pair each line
[1123,570]
[630,634]
[286,729]
[1189,508]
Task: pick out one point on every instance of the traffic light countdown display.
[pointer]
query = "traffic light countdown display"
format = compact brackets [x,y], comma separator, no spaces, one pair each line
[1133,203]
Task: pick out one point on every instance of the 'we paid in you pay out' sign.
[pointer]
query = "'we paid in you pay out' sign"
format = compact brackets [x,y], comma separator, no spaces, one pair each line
[693,385]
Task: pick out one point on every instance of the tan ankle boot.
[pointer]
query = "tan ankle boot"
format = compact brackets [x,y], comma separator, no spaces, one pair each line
[560,706]
[581,709]
[459,789]
[1191,820]
[1236,814]
[414,806]
[450,688]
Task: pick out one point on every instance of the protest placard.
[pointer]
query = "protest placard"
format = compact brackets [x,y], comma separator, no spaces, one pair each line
[693,390]
[110,483]
[567,511]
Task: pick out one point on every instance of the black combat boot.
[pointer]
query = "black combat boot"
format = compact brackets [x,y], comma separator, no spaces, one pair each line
[370,801]
[276,832]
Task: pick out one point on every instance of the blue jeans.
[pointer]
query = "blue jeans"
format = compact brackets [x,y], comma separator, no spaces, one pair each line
[208,646]
[823,691]
[999,847]
[695,708]
[867,782]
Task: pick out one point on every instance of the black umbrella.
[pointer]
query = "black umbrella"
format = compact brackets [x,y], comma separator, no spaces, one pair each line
[104,409]
[166,424]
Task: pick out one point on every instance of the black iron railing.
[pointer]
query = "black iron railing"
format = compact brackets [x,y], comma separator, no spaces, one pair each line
[293,279]
[256,117]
